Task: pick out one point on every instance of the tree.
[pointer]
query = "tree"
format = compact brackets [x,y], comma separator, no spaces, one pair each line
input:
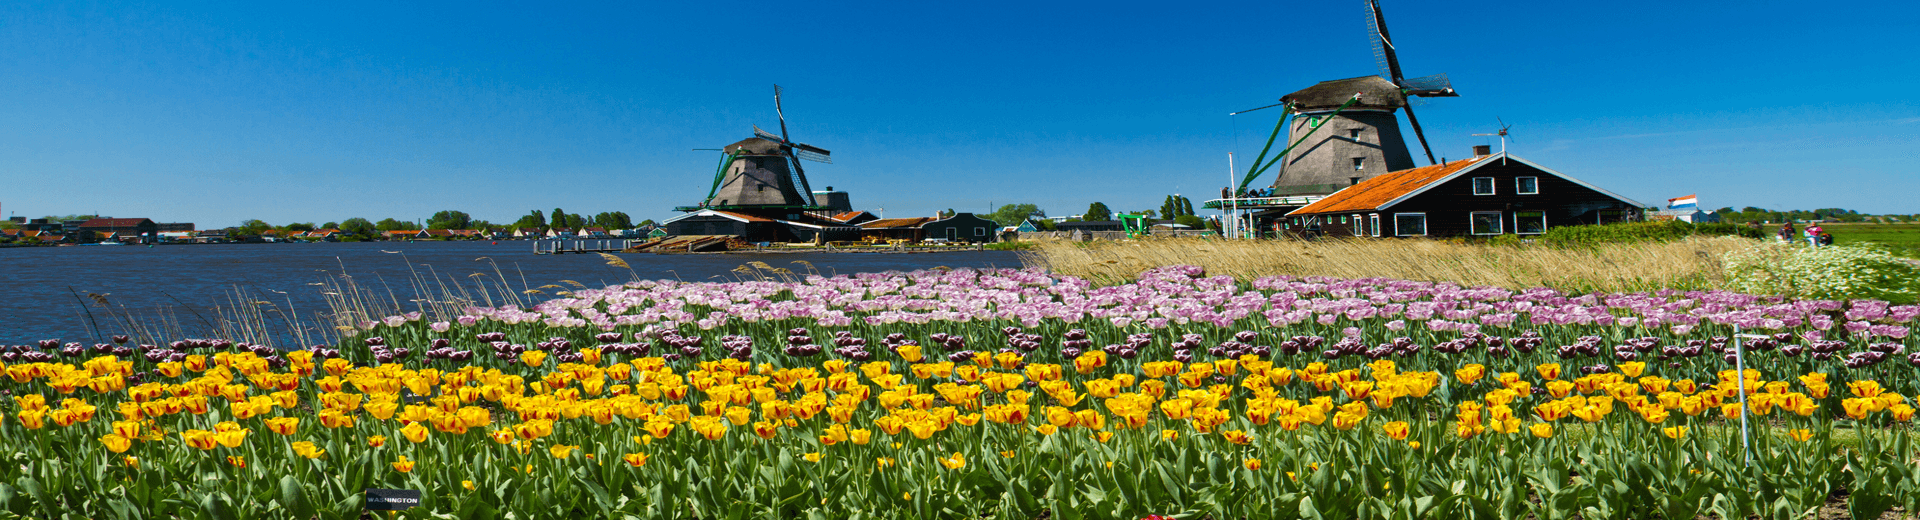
[450,219]
[558,218]
[1170,208]
[330,225]
[944,214]
[389,224]
[535,220]
[1186,205]
[1097,212]
[1190,221]
[300,226]
[648,222]
[613,220]
[1014,214]
[359,227]
[252,227]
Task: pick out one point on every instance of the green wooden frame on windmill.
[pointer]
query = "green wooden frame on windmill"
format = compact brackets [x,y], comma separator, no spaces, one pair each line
[1261,164]
[720,175]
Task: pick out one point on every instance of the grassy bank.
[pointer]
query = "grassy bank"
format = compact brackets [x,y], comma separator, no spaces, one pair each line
[1901,239]
[1692,263]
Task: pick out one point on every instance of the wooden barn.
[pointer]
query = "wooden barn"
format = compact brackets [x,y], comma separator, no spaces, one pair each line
[963,227]
[1485,196]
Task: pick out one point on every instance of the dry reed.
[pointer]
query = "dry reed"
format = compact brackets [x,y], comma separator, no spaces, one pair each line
[1687,264]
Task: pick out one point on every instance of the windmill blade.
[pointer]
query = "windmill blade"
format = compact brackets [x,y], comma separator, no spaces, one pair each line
[763,134]
[812,153]
[1383,42]
[1420,134]
[1436,85]
[781,113]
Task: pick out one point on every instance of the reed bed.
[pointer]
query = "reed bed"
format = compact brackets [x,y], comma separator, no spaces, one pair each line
[1622,267]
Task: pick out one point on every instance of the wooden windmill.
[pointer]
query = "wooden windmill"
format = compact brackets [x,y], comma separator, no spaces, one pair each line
[762,175]
[1361,135]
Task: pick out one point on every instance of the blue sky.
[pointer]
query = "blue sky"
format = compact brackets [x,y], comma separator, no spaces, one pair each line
[217,112]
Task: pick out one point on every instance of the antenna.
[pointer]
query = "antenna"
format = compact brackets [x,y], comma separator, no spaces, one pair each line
[1503,138]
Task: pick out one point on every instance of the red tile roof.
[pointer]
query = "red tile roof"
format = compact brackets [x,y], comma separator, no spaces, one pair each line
[113,222]
[850,215]
[748,218]
[1369,194]
[913,222]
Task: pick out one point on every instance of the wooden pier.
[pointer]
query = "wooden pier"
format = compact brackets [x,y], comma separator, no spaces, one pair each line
[561,247]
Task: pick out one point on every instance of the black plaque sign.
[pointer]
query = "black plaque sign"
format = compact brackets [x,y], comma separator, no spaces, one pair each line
[392,499]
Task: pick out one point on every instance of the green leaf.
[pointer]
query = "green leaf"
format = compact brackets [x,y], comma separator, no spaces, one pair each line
[216,507]
[293,498]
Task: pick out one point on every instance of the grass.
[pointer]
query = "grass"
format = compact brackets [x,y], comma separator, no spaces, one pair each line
[1900,239]
[1692,263]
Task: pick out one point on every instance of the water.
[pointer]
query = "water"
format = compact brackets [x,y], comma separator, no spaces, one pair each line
[178,287]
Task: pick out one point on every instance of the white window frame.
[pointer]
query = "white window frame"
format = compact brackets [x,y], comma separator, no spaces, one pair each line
[1423,224]
[1376,224]
[1518,191]
[1499,223]
[979,231]
[1492,188]
[1359,227]
[1543,222]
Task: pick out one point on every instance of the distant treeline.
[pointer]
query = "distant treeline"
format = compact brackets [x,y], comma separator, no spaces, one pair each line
[1753,214]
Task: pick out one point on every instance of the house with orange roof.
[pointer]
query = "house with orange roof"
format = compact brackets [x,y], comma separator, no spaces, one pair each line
[1486,196]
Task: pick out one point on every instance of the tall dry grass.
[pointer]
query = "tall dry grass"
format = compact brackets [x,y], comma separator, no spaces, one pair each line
[1687,264]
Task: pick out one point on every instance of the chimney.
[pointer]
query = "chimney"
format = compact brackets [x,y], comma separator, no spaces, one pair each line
[1482,150]
[1353,180]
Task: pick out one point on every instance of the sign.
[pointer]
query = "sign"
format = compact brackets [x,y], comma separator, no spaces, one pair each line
[392,499]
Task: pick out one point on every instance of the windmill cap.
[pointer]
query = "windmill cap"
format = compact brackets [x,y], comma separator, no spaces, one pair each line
[1375,92]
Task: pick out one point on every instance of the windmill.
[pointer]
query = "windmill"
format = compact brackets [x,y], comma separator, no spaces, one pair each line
[1389,60]
[763,173]
[1363,138]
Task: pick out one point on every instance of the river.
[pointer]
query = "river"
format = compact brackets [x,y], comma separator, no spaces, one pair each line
[171,290]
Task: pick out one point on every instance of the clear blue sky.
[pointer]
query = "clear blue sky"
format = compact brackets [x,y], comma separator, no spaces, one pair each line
[214,113]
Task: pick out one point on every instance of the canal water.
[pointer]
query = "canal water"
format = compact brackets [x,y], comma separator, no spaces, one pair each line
[184,289]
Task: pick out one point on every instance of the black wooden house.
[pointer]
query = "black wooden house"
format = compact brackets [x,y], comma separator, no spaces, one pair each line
[1485,196]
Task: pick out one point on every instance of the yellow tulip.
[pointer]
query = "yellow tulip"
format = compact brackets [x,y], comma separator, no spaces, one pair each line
[1674,432]
[1802,435]
[561,451]
[308,450]
[283,425]
[954,462]
[1542,430]
[813,457]
[1397,430]
[377,441]
[230,439]
[116,443]
[403,465]
[414,432]
[635,459]
[1253,464]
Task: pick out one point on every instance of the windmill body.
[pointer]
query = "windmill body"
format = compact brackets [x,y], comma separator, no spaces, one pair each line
[1351,145]
[759,178]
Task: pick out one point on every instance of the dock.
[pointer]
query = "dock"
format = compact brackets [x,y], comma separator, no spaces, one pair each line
[561,247]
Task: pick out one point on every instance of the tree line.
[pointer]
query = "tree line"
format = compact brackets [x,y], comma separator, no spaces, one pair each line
[362,228]
[1753,214]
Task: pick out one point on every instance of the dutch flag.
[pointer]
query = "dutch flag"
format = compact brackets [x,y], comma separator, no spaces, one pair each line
[1682,202]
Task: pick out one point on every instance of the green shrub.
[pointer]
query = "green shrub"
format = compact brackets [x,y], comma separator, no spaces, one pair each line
[1658,231]
[1844,272]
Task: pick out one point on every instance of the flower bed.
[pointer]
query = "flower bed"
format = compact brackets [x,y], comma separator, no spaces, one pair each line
[1009,394]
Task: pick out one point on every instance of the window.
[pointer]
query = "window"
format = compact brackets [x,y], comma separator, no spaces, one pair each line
[1485,222]
[979,232]
[1526,185]
[1359,163]
[1609,216]
[1483,185]
[1376,224]
[1354,134]
[1410,224]
[1529,222]
[1343,219]
[1359,228]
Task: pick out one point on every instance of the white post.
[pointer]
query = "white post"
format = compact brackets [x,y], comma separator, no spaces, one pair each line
[1740,369]
[1229,225]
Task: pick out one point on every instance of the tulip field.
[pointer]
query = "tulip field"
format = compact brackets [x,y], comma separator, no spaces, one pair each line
[1005,394]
